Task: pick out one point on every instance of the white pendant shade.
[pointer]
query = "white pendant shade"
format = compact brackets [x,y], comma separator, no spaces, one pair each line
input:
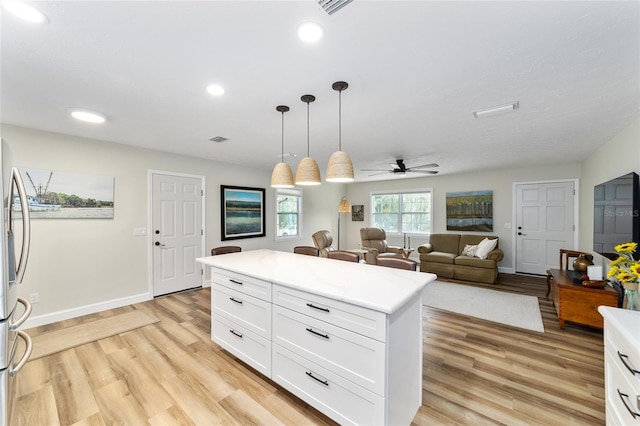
[282,176]
[340,168]
[308,172]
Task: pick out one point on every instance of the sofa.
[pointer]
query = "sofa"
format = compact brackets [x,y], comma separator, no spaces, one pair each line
[456,256]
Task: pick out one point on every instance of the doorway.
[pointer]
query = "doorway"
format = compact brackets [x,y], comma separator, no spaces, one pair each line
[177,234]
[545,223]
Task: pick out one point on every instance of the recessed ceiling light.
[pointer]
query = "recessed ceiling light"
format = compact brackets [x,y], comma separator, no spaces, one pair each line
[501,109]
[88,115]
[215,90]
[310,32]
[24,11]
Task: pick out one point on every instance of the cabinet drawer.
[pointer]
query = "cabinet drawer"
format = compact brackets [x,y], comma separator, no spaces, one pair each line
[338,398]
[623,390]
[616,341]
[247,346]
[355,357]
[355,318]
[251,313]
[242,283]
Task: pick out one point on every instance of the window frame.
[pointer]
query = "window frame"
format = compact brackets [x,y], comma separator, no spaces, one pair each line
[293,192]
[400,231]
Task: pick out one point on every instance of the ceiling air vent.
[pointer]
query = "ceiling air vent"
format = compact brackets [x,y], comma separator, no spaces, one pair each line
[219,139]
[332,6]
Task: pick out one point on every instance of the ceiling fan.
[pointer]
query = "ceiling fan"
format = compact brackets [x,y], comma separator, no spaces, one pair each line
[400,168]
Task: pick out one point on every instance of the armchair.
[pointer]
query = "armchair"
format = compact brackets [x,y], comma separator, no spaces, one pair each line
[374,240]
[323,240]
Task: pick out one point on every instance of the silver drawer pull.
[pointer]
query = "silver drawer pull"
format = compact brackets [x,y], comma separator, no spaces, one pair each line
[311,305]
[311,330]
[622,398]
[236,282]
[623,358]
[233,299]
[324,382]
[235,333]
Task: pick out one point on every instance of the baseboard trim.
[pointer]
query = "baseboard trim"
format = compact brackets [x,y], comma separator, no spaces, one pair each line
[506,270]
[85,310]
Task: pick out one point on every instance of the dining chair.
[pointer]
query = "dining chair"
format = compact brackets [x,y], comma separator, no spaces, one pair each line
[308,250]
[225,250]
[396,262]
[343,255]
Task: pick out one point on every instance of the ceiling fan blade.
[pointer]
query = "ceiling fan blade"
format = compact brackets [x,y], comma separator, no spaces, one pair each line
[425,165]
[375,170]
[376,174]
[430,172]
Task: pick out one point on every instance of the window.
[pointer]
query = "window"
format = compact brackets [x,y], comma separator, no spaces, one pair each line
[404,212]
[288,213]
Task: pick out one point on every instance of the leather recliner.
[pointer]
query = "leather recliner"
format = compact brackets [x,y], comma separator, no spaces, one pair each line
[323,240]
[374,240]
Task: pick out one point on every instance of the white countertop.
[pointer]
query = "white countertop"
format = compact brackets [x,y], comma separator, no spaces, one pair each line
[626,321]
[371,286]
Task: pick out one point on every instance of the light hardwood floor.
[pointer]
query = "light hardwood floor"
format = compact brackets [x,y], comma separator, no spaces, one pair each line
[171,373]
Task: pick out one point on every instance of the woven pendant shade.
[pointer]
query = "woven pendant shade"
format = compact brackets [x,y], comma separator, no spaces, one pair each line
[340,168]
[282,176]
[308,172]
[345,206]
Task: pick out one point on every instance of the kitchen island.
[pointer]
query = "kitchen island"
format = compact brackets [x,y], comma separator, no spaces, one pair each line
[344,337]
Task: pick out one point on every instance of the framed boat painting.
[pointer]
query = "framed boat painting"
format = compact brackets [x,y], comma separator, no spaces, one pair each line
[242,212]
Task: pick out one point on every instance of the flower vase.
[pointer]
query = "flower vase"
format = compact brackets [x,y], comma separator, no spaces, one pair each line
[631,297]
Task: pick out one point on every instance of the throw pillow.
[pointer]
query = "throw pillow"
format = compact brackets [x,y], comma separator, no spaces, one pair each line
[469,250]
[485,246]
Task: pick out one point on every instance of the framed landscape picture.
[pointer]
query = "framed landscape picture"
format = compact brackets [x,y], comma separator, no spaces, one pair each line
[242,212]
[470,211]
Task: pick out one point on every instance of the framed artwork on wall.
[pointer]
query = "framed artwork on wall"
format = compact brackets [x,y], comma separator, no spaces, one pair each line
[357,213]
[470,211]
[242,212]
[55,194]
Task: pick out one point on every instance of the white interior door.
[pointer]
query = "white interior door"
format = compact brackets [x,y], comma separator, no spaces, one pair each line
[176,232]
[544,224]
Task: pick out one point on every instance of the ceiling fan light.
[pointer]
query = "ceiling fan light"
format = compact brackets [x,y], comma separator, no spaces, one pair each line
[308,172]
[340,168]
[282,176]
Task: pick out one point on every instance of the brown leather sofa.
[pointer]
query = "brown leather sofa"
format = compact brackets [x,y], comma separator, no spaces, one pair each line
[375,241]
[443,256]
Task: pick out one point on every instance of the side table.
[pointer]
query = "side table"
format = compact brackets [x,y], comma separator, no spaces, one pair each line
[406,252]
[577,303]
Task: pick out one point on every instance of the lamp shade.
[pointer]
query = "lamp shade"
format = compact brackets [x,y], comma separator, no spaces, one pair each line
[345,206]
[282,176]
[340,168]
[308,172]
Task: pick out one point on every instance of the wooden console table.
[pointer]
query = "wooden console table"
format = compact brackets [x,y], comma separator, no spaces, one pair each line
[576,303]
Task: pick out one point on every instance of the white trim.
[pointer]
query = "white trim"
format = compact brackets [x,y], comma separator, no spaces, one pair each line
[514,212]
[85,310]
[294,192]
[150,173]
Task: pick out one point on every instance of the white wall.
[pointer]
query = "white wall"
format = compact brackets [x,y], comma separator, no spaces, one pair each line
[498,181]
[617,157]
[82,265]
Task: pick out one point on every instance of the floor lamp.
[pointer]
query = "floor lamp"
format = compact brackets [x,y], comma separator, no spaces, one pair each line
[344,207]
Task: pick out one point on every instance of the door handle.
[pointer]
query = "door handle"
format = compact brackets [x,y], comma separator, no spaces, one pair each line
[159,244]
[520,233]
[26,224]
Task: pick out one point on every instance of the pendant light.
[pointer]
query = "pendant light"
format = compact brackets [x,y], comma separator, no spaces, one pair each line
[308,172]
[282,176]
[340,167]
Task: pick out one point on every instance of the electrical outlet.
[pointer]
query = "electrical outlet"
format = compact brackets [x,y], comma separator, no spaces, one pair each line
[34,297]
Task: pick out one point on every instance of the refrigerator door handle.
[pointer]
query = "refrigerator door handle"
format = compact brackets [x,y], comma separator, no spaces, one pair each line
[25,315]
[27,353]
[26,225]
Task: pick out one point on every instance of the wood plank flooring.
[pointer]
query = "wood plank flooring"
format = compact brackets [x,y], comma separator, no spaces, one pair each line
[171,373]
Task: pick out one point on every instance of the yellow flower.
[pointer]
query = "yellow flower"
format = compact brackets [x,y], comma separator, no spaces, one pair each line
[620,260]
[626,277]
[612,272]
[635,268]
[626,247]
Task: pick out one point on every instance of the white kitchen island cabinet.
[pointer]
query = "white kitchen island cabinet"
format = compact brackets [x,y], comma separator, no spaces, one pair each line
[344,337]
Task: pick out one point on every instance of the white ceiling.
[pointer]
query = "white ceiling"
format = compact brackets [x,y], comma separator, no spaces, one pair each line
[416,71]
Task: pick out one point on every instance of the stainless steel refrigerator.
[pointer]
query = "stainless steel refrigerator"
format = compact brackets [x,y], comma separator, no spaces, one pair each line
[15,229]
